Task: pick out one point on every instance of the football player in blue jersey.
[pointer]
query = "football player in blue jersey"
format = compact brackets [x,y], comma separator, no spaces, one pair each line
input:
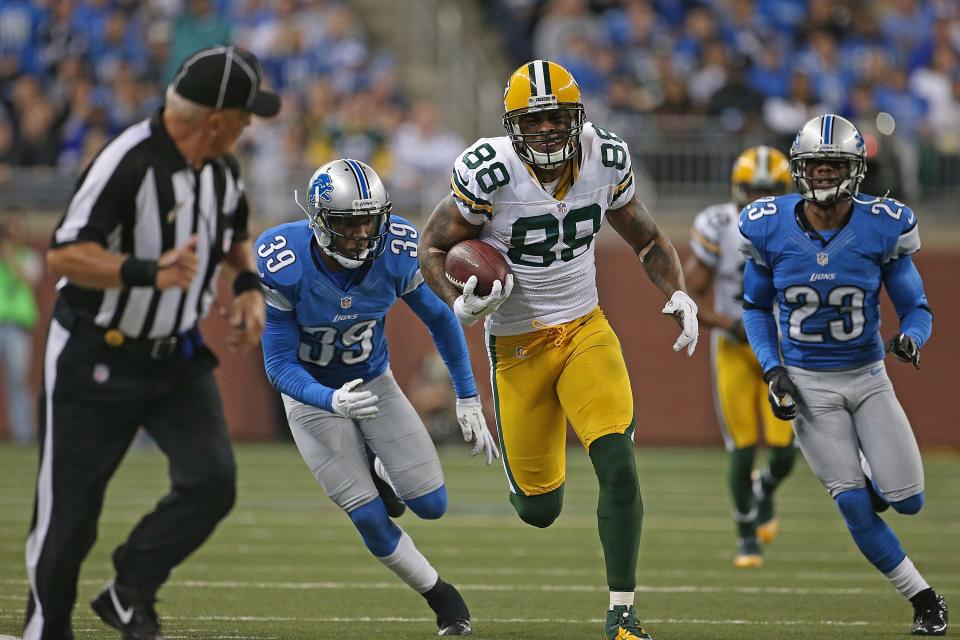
[329,282]
[822,254]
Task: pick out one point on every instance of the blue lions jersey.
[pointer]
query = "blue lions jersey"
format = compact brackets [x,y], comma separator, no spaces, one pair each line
[828,291]
[334,320]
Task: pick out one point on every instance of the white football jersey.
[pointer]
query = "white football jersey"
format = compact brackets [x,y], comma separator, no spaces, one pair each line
[548,240]
[716,241]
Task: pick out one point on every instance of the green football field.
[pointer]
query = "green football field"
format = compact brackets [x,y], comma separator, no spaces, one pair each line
[287,564]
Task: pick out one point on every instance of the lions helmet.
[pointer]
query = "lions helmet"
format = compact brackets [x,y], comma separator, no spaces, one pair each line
[828,137]
[759,171]
[341,190]
[543,86]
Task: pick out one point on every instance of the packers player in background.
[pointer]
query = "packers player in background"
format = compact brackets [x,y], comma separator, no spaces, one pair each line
[539,195]
[740,394]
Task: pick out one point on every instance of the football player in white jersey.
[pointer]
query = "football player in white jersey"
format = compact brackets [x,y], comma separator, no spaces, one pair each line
[540,195]
[740,393]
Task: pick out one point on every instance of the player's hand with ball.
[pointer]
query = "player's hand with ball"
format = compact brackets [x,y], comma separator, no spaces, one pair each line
[470,307]
[474,427]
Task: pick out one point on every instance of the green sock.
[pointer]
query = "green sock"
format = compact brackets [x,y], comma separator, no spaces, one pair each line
[619,509]
[741,488]
[779,467]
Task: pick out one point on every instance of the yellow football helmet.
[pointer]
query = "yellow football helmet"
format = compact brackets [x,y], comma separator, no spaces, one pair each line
[542,85]
[759,171]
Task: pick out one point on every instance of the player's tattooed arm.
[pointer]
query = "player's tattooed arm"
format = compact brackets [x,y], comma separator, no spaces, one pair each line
[654,249]
[445,228]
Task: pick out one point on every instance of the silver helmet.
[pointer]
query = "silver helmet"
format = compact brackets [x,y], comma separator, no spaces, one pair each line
[828,137]
[345,189]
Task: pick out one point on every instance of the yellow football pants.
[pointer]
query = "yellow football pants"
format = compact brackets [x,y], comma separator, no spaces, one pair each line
[540,379]
[740,395]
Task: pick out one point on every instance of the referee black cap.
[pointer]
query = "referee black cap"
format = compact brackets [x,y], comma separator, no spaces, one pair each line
[226,77]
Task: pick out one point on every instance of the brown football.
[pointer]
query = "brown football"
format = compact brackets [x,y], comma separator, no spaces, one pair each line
[475,258]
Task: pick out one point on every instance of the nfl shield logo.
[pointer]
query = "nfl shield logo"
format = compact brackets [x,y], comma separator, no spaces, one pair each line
[101,373]
[561,208]
[345,302]
[521,352]
[822,259]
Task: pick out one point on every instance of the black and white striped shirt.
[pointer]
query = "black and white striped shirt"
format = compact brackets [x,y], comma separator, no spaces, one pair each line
[140,197]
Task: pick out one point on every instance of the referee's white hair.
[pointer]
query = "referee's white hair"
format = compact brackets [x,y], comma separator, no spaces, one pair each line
[182,109]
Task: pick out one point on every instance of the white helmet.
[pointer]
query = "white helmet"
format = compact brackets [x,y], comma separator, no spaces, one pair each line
[828,137]
[342,189]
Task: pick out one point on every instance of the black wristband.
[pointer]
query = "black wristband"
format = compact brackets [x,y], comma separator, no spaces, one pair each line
[246,281]
[135,272]
[773,371]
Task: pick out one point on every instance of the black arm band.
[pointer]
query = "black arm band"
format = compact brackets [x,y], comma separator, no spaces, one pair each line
[135,272]
[246,281]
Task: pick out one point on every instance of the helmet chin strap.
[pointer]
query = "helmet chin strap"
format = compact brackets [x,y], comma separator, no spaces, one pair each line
[832,195]
[344,261]
[543,161]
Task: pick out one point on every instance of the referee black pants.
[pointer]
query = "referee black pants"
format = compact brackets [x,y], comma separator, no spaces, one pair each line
[94,399]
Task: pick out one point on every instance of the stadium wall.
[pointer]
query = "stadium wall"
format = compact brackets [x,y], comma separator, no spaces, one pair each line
[672,392]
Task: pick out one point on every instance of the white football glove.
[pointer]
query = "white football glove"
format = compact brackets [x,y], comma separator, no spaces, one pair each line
[469,307]
[682,304]
[474,427]
[356,405]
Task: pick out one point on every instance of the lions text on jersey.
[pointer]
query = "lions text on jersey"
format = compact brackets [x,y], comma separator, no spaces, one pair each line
[335,321]
[547,237]
[828,291]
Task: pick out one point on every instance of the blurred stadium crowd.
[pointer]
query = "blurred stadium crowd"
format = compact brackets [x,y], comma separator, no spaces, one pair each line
[75,72]
[762,66]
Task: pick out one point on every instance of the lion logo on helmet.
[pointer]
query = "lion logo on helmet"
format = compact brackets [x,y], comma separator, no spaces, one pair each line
[322,187]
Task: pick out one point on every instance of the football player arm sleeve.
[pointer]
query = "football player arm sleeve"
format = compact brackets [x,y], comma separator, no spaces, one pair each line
[905,288]
[447,335]
[758,321]
[281,339]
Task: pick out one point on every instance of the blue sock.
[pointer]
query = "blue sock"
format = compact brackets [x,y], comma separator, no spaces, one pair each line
[376,528]
[431,506]
[909,506]
[876,540]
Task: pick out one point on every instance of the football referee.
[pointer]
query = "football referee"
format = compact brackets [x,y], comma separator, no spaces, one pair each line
[138,253]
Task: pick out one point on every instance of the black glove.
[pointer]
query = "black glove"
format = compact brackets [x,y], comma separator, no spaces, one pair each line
[904,348]
[783,395]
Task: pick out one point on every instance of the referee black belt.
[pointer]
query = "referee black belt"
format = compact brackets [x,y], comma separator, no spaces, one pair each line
[143,348]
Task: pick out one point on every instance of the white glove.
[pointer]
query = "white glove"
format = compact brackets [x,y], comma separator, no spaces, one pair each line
[474,427]
[680,303]
[356,405]
[470,308]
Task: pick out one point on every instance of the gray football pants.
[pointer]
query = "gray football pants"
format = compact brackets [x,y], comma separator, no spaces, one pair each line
[845,412]
[332,447]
